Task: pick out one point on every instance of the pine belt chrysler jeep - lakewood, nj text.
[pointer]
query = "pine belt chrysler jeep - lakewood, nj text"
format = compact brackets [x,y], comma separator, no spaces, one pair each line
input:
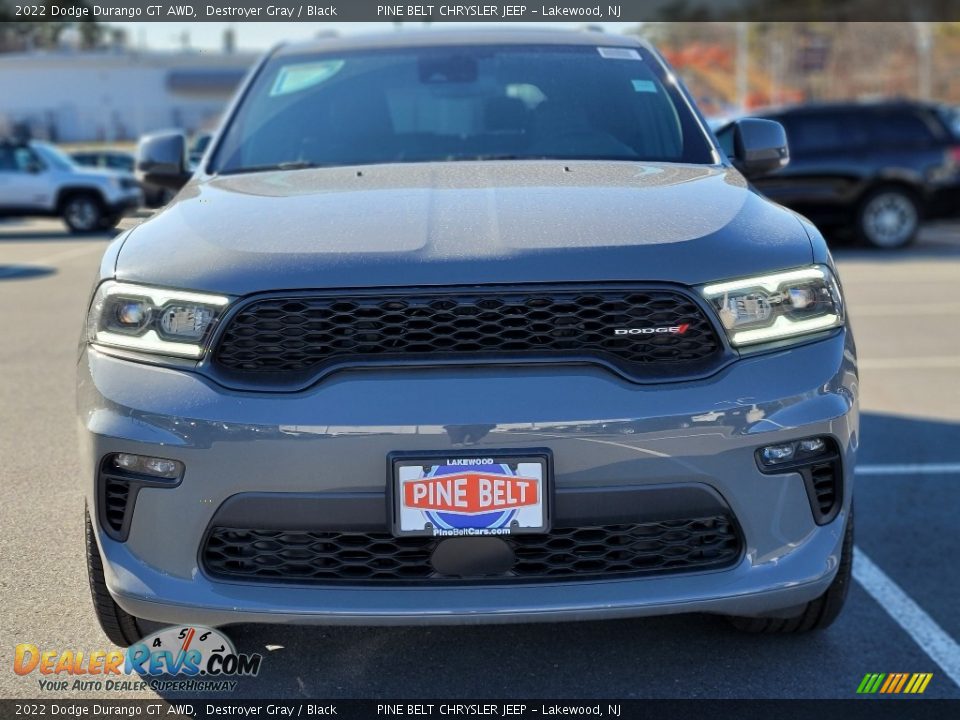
[467,327]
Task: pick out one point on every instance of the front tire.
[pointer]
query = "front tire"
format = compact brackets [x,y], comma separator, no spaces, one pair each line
[121,627]
[83,213]
[818,614]
[889,218]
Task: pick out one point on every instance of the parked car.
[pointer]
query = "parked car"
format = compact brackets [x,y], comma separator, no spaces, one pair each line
[37,179]
[407,260]
[876,169]
[108,159]
[153,196]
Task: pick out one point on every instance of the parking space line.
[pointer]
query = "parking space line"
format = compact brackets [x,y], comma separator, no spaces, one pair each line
[923,629]
[925,309]
[909,469]
[908,363]
[67,254]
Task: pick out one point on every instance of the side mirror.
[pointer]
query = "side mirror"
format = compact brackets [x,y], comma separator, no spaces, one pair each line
[759,146]
[162,160]
[35,167]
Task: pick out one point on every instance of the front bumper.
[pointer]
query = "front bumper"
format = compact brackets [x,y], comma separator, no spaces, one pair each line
[603,432]
[944,201]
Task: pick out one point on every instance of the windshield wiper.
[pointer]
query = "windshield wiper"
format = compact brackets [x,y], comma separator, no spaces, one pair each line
[287,165]
[497,156]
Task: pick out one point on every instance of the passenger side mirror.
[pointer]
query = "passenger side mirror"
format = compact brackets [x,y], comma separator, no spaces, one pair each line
[759,146]
[162,160]
[34,167]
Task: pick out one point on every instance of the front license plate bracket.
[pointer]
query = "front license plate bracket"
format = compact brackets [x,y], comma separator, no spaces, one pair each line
[480,493]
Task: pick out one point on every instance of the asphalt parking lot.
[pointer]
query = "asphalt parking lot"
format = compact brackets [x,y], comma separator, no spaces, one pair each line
[902,615]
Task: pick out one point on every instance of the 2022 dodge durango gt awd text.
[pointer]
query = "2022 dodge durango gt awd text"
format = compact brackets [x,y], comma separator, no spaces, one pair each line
[459,328]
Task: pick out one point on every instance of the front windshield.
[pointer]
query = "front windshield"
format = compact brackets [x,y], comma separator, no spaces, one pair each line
[461,103]
[55,157]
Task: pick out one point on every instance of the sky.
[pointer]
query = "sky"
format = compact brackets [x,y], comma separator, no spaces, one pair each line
[263,35]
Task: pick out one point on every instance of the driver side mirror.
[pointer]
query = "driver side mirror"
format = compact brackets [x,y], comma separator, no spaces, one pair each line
[162,160]
[756,146]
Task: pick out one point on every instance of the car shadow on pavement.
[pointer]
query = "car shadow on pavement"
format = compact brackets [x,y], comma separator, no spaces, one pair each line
[936,239]
[24,272]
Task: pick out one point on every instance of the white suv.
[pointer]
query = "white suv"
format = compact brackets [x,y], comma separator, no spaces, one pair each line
[37,179]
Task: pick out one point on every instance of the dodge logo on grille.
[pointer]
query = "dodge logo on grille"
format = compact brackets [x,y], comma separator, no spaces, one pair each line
[665,330]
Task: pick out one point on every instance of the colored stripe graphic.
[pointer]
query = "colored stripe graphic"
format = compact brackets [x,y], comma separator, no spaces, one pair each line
[891,679]
[894,683]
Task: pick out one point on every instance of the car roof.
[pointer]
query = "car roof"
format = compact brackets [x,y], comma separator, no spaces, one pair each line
[441,38]
[849,105]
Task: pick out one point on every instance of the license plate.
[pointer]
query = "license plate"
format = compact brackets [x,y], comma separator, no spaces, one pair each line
[479,495]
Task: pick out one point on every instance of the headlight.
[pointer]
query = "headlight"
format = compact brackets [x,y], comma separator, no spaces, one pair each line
[777,306]
[154,320]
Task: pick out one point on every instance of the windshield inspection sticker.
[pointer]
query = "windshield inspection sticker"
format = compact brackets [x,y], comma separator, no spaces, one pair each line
[618,53]
[294,78]
[644,86]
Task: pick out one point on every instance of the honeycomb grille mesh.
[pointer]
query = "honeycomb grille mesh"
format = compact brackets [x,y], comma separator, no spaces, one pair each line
[562,554]
[304,334]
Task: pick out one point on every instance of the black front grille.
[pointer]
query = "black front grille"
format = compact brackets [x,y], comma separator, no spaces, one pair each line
[303,335]
[562,554]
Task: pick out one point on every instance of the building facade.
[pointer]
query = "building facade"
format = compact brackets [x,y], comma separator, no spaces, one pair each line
[115,95]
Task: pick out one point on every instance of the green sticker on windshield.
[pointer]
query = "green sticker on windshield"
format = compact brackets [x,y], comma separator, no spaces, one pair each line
[645,86]
[294,78]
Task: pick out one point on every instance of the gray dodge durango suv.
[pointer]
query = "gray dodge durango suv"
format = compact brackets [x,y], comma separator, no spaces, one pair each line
[467,327]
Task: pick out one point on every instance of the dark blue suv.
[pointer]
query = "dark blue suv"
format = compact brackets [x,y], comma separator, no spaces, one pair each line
[876,169]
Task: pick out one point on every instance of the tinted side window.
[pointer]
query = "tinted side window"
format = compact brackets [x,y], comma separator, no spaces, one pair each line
[951,120]
[18,159]
[899,128]
[725,139]
[118,162]
[7,161]
[809,134]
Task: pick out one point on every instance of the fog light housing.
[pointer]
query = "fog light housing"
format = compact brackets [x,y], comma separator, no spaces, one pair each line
[146,465]
[120,478]
[817,460]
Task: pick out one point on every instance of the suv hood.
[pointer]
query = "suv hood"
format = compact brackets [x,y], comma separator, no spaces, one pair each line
[460,224]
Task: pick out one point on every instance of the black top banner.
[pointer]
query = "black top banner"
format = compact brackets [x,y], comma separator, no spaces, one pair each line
[519,11]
